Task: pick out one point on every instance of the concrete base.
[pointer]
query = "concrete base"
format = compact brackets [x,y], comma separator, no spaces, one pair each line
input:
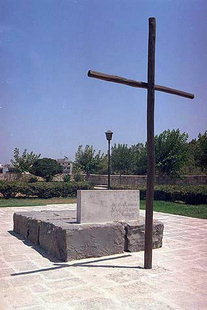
[60,235]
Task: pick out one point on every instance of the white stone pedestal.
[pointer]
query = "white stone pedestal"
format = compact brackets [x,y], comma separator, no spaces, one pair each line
[105,206]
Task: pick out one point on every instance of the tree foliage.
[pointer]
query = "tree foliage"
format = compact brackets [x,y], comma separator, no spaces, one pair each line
[103,165]
[24,162]
[87,160]
[139,157]
[46,168]
[171,152]
[201,151]
[121,159]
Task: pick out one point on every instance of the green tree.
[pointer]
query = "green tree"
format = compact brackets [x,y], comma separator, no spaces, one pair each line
[24,162]
[121,159]
[139,158]
[46,168]
[201,151]
[171,152]
[190,167]
[103,164]
[87,160]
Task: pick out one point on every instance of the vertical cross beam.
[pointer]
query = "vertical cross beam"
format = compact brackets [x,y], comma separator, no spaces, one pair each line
[151,87]
[150,145]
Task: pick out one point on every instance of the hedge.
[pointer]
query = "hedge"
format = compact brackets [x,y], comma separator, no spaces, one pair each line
[9,189]
[188,194]
[42,189]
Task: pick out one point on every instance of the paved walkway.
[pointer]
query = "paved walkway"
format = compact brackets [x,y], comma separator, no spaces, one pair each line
[30,280]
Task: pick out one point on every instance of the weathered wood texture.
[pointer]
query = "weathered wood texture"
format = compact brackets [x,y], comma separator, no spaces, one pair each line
[151,87]
[133,83]
[150,144]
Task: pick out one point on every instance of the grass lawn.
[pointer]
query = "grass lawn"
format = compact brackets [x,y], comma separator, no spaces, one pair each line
[198,211]
[25,202]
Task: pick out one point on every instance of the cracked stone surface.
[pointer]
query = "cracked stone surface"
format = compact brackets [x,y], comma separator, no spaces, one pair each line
[135,231]
[59,234]
[30,279]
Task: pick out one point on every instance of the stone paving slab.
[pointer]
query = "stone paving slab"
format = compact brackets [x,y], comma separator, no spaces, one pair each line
[30,279]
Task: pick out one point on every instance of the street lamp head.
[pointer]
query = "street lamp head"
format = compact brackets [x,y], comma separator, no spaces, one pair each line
[109,134]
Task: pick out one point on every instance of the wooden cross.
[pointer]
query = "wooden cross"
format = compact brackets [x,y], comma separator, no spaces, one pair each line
[151,87]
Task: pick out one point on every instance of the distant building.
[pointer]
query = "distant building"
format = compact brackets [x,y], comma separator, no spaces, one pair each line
[6,168]
[66,164]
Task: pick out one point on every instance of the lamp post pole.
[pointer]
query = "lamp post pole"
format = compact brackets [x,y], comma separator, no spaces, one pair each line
[109,134]
[109,165]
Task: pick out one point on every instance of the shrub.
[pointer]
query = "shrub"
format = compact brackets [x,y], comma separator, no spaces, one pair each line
[66,178]
[32,180]
[58,189]
[46,168]
[42,189]
[79,177]
[9,189]
[188,194]
[25,189]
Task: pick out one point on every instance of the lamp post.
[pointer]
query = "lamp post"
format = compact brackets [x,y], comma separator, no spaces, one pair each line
[109,134]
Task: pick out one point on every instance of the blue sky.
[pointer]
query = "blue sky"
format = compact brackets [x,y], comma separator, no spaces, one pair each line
[49,105]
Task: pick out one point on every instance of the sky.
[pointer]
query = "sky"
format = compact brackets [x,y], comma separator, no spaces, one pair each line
[48,105]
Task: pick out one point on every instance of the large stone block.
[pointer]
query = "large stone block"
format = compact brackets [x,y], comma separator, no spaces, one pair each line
[59,235]
[52,238]
[94,240]
[135,235]
[68,241]
[27,224]
[21,225]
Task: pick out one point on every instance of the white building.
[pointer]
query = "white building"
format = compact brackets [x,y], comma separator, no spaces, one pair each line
[66,164]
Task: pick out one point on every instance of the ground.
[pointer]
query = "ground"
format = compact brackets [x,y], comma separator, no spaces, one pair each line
[29,279]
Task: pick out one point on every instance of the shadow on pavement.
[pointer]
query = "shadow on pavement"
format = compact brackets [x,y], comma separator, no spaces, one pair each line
[35,247]
[82,264]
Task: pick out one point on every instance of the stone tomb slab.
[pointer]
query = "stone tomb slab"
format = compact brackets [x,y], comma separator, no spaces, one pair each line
[61,236]
[135,235]
[102,206]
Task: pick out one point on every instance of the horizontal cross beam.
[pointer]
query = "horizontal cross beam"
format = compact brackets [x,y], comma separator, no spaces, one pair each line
[121,80]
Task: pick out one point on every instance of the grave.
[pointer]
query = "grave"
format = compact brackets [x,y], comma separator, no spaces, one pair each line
[106,222]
